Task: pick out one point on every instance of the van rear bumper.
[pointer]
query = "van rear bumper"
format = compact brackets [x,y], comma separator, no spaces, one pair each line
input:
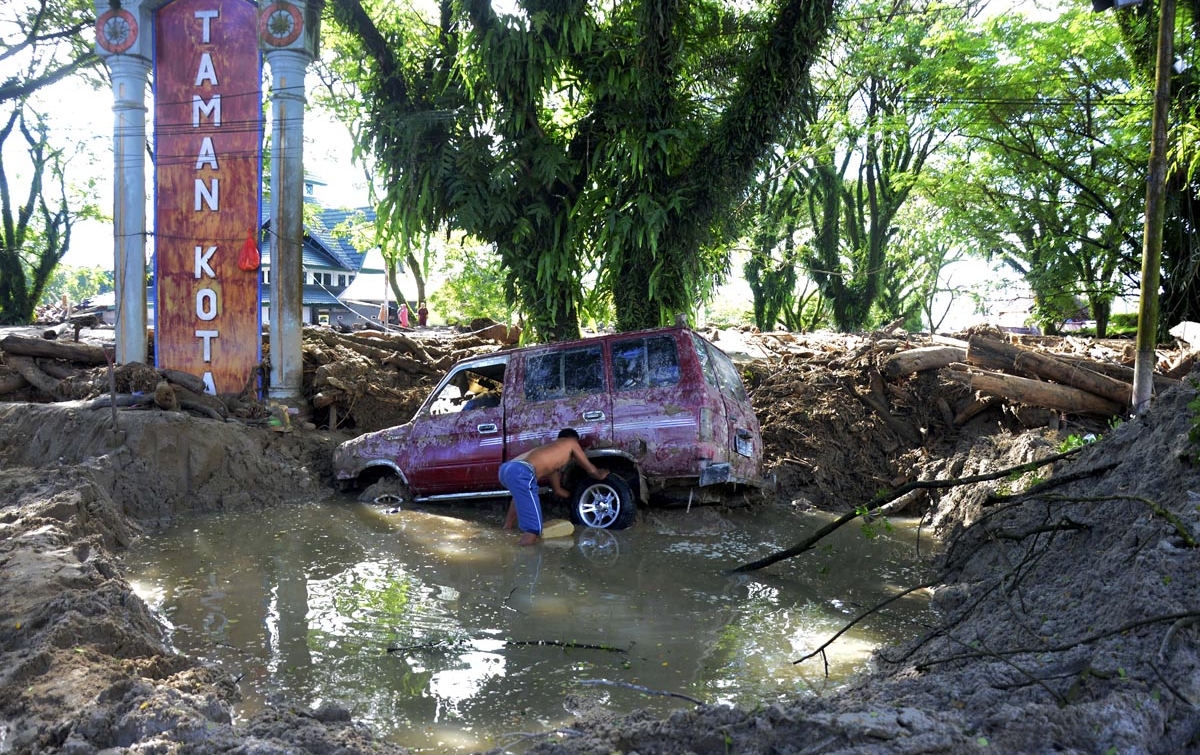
[722,474]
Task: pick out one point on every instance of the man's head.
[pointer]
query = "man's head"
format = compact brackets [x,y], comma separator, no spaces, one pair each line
[568,432]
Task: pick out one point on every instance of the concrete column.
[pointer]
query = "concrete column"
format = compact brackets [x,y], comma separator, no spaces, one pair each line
[130,74]
[287,222]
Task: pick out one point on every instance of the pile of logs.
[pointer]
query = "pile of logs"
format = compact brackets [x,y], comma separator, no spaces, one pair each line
[42,370]
[367,378]
[996,369]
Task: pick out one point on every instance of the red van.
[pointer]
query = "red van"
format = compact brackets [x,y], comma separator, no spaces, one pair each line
[663,409]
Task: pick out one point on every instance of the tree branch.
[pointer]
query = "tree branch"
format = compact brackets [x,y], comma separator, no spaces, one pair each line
[873,507]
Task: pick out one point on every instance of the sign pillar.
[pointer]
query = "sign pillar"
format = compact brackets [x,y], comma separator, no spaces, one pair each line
[287,33]
[126,51]
[208,185]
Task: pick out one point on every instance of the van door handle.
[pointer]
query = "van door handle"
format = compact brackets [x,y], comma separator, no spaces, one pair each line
[593,416]
[488,429]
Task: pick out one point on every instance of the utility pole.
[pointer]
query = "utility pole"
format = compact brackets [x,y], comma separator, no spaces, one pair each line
[1143,367]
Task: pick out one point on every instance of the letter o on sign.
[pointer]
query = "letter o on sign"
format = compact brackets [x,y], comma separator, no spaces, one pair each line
[206,304]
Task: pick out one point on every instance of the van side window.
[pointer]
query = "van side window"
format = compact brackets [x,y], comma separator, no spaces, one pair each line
[559,374]
[643,362]
[663,360]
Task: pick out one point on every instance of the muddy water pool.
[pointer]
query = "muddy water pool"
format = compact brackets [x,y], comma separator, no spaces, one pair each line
[433,628]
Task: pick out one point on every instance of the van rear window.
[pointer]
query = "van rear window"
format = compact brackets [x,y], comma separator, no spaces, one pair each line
[559,374]
[727,374]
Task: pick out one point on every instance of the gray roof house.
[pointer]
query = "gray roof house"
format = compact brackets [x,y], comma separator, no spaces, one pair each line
[330,262]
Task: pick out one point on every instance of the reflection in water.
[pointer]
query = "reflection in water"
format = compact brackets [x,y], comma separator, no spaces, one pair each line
[433,627]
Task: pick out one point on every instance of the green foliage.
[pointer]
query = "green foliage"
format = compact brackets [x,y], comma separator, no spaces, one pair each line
[1074,440]
[1051,158]
[36,230]
[474,286]
[869,520]
[77,284]
[42,43]
[834,196]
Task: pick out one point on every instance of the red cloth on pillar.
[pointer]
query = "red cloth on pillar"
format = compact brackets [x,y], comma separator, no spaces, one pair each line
[249,258]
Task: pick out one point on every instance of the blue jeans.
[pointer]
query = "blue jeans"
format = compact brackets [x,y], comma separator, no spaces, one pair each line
[520,479]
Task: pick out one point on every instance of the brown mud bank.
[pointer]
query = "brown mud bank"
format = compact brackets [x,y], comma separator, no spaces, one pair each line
[1066,615]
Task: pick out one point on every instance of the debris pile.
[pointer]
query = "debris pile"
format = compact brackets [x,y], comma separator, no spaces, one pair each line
[358,381]
[844,416]
[368,379]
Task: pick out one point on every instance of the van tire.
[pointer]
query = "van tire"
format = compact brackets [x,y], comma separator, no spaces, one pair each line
[603,504]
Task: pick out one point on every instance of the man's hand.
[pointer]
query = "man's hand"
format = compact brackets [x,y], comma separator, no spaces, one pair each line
[600,473]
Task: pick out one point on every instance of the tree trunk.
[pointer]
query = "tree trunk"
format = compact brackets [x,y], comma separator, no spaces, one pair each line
[924,358]
[992,354]
[68,350]
[1060,398]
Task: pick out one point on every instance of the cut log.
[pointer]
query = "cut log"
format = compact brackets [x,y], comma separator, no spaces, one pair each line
[1062,398]
[193,383]
[997,355]
[10,382]
[68,350]
[923,358]
[1120,372]
[32,373]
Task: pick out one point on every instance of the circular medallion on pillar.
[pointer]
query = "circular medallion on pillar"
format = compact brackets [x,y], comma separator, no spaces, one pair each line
[116,30]
[280,24]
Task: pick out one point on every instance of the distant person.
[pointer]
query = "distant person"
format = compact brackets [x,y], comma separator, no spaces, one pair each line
[520,476]
[422,314]
[404,314]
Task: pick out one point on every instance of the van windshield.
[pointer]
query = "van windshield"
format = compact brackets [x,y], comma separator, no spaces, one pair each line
[469,389]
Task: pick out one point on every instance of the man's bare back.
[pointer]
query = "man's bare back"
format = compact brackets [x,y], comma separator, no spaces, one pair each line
[554,457]
[550,461]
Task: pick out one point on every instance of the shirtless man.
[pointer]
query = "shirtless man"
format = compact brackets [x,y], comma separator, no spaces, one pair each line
[521,474]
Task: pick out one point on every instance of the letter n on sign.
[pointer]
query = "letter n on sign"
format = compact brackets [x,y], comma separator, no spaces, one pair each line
[208,170]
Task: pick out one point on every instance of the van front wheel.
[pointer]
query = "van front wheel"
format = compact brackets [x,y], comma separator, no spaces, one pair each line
[603,504]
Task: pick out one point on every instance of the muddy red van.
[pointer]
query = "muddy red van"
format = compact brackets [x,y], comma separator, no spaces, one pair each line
[663,409]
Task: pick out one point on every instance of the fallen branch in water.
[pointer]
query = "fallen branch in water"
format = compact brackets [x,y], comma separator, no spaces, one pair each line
[877,607]
[638,688]
[882,500]
[514,643]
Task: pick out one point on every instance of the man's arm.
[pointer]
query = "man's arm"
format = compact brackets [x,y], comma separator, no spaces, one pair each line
[557,486]
[582,459]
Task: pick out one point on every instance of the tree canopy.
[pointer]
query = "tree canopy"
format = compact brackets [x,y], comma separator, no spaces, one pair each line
[603,146]
[40,45]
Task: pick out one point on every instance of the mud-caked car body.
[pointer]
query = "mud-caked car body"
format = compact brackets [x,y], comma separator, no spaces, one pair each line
[664,410]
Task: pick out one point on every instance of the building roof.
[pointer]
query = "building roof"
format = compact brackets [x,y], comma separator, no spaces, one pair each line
[325,247]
